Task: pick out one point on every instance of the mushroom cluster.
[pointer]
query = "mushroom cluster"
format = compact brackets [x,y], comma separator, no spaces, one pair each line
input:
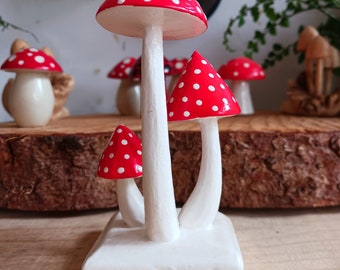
[154,21]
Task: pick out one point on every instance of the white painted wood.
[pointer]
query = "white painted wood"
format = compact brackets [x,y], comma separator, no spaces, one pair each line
[202,206]
[160,209]
[31,99]
[130,202]
[241,91]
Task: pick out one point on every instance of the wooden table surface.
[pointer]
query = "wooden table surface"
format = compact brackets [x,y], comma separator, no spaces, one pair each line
[269,239]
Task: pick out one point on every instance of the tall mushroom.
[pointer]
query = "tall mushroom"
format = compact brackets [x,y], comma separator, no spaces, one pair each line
[202,95]
[122,161]
[31,98]
[152,21]
[128,93]
[240,70]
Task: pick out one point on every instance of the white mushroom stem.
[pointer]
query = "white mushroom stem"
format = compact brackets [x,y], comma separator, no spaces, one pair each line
[128,97]
[242,94]
[319,77]
[160,209]
[130,202]
[202,206]
[31,99]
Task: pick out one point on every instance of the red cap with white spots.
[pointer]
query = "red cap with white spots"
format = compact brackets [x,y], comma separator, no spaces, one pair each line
[122,69]
[179,64]
[179,18]
[31,59]
[122,157]
[200,92]
[242,69]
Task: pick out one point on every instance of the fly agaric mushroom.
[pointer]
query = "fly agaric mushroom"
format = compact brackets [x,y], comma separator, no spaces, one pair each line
[128,94]
[240,70]
[31,98]
[202,95]
[154,21]
[178,65]
[122,161]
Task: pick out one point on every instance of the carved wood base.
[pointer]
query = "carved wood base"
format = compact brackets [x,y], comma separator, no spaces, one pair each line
[269,161]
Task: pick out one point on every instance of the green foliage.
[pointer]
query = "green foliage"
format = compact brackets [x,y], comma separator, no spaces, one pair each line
[6,25]
[281,19]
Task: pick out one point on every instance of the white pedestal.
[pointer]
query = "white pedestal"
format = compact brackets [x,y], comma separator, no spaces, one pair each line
[124,248]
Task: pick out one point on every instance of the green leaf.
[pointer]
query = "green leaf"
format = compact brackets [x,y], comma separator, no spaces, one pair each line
[271,27]
[255,13]
[277,47]
[241,21]
[260,37]
[284,21]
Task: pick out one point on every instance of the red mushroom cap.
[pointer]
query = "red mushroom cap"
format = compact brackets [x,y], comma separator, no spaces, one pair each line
[179,64]
[122,69]
[122,157]
[31,59]
[179,18]
[242,69]
[200,92]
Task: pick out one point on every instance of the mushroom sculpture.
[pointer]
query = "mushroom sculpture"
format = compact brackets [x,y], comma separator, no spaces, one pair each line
[122,161]
[240,70]
[154,21]
[128,93]
[31,99]
[202,95]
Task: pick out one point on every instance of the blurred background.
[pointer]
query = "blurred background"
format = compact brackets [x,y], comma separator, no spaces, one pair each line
[88,52]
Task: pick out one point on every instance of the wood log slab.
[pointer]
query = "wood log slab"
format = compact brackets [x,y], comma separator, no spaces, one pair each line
[269,161]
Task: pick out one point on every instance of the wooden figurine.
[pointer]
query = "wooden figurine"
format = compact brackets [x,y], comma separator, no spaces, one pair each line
[311,94]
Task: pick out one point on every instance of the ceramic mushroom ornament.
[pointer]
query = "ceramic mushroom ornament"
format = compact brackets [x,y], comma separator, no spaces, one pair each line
[241,70]
[31,98]
[154,21]
[122,161]
[202,95]
[128,93]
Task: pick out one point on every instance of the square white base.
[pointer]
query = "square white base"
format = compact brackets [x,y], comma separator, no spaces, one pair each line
[122,248]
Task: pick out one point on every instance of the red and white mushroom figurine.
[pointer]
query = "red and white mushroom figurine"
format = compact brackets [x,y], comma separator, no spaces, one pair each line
[128,93]
[154,21]
[31,98]
[122,161]
[178,65]
[241,70]
[202,95]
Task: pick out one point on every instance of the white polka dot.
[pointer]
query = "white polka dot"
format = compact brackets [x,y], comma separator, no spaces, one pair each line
[225,100]
[127,71]
[196,86]
[186,114]
[106,170]
[211,75]
[184,99]
[197,71]
[130,135]
[29,54]
[246,65]
[126,156]
[199,102]
[139,152]
[39,59]
[214,108]
[181,84]
[235,73]
[119,130]
[12,58]
[21,62]
[171,100]
[124,142]
[111,155]
[222,86]
[218,75]
[179,65]
[127,61]
[52,65]
[171,114]
[139,168]
[204,62]
[121,170]
[121,1]
[234,99]
[175,2]
[211,88]
[111,143]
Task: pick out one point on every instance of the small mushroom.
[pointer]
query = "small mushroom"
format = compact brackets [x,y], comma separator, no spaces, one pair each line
[122,161]
[128,93]
[154,21]
[331,63]
[31,98]
[240,70]
[178,65]
[201,94]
